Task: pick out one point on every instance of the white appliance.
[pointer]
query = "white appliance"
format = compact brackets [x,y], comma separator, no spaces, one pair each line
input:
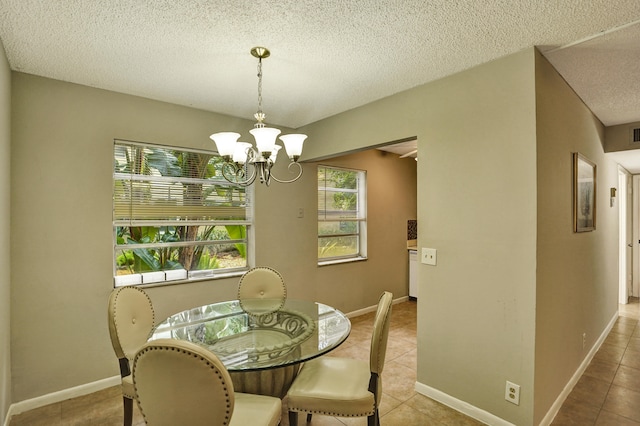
[413,269]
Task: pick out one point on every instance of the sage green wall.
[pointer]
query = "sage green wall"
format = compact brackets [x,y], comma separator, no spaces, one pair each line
[577,281]
[61,222]
[61,225]
[513,283]
[5,222]
[477,206]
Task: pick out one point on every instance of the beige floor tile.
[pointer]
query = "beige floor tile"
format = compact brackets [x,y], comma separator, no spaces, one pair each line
[591,391]
[398,381]
[631,358]
[624,327]
[634,344]
[360,335]
[611,419]
[388,403]
[628,377]
[409,359]
[575,412]
[436,412]
[609,352]
[316,420]
[406,416]
[400,332]
[603,370]
[398,348]
[353,351]
[617,339]
[631,310]
[39,416]
[624,402]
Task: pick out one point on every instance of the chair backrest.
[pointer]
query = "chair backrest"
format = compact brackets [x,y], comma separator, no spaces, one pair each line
[380,333]
[180,383]
[261,290]
[131,319]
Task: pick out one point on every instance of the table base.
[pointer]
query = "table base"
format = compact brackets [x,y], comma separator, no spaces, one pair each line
[271,382]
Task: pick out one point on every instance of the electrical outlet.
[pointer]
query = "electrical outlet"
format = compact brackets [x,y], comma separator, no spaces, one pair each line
[584,340]
[429,256]
[512,393]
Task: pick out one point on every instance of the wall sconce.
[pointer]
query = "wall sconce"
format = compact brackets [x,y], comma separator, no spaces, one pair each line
[612,200]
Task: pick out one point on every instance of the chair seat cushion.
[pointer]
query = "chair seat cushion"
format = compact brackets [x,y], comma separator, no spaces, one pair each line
[256,410]
[332,386]
[127,387]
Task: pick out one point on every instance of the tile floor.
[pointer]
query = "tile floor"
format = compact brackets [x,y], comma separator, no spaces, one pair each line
[607,394]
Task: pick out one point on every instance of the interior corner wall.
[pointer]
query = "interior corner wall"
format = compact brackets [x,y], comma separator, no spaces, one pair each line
[61,225]
[5,226]
[577,273]
[477,207]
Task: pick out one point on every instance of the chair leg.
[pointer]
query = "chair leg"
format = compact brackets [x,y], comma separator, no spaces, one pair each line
[293,418]
[309,418]
[374,419]
[128,411]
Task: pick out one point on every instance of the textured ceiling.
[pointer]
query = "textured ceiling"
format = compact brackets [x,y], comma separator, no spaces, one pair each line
[326,56]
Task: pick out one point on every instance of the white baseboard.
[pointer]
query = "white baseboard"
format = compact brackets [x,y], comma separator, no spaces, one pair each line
[555,407]
[373,308]
[51,398]
[491,419]
[461,406]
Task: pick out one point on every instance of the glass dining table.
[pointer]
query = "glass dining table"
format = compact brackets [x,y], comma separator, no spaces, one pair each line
[261,342]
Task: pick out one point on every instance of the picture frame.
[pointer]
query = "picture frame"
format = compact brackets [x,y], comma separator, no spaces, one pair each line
[584,194]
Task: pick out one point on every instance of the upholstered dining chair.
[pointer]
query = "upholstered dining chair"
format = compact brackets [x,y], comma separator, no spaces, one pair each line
[131,319]
[261,290]
[178,382]
[344,387]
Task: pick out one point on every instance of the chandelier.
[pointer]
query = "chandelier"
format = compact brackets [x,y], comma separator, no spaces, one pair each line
[239,156]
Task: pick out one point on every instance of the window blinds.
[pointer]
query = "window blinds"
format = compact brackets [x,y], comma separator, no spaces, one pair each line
[157,186]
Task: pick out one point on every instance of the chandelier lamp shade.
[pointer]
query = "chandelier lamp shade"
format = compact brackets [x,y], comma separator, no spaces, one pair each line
[240,156]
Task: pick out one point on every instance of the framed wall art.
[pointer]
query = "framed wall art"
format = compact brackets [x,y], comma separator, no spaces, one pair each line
[584,194]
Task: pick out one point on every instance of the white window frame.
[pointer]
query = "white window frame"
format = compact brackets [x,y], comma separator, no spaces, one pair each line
[359,216]
[127,212]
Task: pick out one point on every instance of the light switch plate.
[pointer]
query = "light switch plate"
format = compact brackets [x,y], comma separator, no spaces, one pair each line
[429,256]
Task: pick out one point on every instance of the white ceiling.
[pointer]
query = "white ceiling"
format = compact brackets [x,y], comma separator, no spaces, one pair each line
[326,56]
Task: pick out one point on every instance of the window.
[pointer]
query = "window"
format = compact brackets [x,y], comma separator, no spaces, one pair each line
[174,216]
[342,214]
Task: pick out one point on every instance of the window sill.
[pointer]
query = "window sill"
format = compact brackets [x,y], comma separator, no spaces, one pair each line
[207,277]
[339,261]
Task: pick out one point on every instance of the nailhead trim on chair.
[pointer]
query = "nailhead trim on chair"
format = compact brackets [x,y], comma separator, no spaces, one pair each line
[153,314]
[117,346]
[386,315]
[211,366]
[331,413]
[267,268]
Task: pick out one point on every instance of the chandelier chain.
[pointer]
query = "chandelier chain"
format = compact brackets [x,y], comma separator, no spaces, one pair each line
[259,115]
